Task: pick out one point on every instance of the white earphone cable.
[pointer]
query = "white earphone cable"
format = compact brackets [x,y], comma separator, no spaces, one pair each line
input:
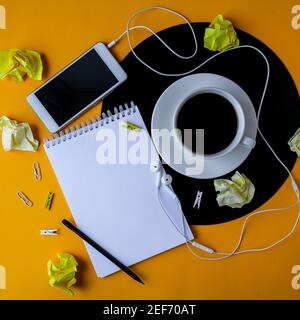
[294,184]
[235,250]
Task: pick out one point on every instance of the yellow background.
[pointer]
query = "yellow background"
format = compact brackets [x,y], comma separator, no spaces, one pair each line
[62,30]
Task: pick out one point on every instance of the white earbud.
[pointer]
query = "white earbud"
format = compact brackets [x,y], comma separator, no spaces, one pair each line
[155,166]
[166,180]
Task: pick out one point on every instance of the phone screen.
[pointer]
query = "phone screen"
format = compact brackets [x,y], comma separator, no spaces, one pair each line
[76,87]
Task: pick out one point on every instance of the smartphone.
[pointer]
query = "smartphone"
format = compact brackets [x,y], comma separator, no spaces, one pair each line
[77,87]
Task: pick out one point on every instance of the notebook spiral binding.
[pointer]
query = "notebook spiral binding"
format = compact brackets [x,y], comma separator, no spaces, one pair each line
[89,125]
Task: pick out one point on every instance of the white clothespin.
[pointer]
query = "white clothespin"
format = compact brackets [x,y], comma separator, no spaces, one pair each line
[49,232]
[198,200]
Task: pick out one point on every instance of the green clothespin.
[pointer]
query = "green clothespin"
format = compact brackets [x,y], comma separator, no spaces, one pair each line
[131,126]
[49,200]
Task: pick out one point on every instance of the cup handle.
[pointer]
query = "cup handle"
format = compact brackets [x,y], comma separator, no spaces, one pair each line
[248,143]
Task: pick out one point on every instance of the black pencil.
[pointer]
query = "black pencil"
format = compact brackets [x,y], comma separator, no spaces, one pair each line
[101,250]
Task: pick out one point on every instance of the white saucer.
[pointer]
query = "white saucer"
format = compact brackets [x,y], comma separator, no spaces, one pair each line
[166,110]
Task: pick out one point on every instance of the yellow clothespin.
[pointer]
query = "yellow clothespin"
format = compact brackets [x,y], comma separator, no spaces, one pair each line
[49,200]
[24,199]
[37,171]
[131,126]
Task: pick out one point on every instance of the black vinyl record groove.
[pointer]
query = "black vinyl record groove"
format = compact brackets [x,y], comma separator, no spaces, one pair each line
[280,115]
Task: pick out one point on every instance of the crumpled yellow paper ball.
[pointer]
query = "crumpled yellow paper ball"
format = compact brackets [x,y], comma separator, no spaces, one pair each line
[15,63]
[62,274]
[294,142]
[220,35]
[17,136]
[236,192]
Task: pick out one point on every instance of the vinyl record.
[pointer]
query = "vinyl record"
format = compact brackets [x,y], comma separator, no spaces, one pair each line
[279,118]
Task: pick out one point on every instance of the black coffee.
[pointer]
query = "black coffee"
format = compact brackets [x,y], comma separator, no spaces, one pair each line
[215,115]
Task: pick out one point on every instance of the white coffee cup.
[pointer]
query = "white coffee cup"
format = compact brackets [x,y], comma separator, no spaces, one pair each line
[240,138]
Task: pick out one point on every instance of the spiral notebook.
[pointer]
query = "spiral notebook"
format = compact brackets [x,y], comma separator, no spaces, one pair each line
[115,204]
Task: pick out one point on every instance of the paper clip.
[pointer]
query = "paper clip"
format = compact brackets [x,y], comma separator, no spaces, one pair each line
[49,232]
[198,200]
[37,171]
[49,199]
[24,199]
[130,126]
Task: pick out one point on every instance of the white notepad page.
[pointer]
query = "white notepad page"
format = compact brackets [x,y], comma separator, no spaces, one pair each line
[115,204]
